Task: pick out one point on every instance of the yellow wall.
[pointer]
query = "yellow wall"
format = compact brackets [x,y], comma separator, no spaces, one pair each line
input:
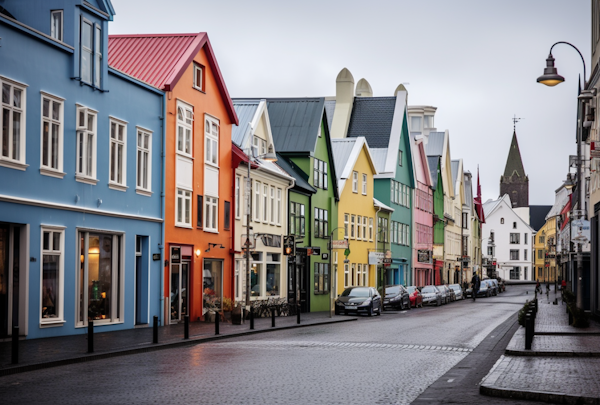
[545,241]
[357,204]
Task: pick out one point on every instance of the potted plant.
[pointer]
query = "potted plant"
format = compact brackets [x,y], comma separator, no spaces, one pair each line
[228,306]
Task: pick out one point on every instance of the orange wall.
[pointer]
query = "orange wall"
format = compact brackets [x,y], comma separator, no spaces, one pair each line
[209,102]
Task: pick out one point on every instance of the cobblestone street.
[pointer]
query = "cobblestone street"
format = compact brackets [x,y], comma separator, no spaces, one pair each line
[390,359]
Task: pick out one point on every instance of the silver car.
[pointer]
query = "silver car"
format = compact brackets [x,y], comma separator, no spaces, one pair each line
[431,295]
[457,291]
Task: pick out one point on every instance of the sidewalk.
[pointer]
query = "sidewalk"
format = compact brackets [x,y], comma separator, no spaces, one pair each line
[50,352]
[563,365]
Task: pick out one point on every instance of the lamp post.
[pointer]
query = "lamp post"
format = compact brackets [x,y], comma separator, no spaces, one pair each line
[270,157]
[552,78]
[331,287]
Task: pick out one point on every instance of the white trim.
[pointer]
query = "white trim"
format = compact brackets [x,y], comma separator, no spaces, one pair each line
[122,185]
[60,294]
[83,131]
[62,23]
[185,196]
[48,169]
[20,161]
[211,205]
[147,191]
[213,139]
[199,67]
[185,107]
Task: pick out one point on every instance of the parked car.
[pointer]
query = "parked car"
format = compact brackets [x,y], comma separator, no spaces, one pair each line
[493,285]
[445,293]
[415,296]
[359,299]
[458,292]
[501,285]
[396,297]
[483,289]
[431,295]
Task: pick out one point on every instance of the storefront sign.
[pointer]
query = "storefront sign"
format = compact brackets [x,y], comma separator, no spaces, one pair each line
[271,240]
[339,244]
[376,257]
[424,256]
[156,256]
[175,255]
[580,231]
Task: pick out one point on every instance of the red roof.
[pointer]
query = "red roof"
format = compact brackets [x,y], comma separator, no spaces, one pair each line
[161,59]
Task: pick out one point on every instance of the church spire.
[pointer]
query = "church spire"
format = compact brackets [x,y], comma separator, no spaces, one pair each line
[515,182]
[514,163]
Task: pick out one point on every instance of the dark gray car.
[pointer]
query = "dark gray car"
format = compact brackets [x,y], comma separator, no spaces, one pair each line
[396,297]
[360,300]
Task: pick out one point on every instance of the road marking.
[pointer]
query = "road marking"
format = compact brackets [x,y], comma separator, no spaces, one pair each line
[450,380]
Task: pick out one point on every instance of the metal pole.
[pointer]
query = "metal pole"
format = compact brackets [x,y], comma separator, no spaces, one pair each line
[581,206]
[155,329]
[330,272]
[248,207]
[90,336]
[272,317]
[186,327]
[251,318]
[15,345]
[217,319]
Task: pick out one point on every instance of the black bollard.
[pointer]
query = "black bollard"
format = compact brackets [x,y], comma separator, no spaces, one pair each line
[15,345]
[251,318]
[217,319]
[298,314]
[570,317]
[272,317]
[186,327]
[528,331]
[155,329]
[90,336]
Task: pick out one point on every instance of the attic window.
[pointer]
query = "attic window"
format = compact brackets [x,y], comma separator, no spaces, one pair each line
[56,24]
[198,77]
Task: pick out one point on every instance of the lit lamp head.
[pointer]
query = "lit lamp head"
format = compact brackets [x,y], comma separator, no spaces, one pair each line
[550,76]
[270,155]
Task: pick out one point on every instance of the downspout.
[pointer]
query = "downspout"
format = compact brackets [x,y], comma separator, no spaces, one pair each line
[232,217]
[377,244]
[162,208]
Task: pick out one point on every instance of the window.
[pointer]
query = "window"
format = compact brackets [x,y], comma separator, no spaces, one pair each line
[297,219]
[371,229]
[259,146]
[321,223]
[514,238]
[352,223]
[358,227]
[144,163]
[353,280]
[490,251]
[185,119]
[52,136]
[492,237]
[514,225]
[415,124]
[273,274]
[198,77]
[525,239]
[502,220]
[272,204]
[86,144]
[321,278]
[211,214]
[400,158]
[364,230]
[525,254]
[320,174]
[12,122]
[514,255]
[56,24]
[257,187]
[359,274]
[100,278]
[542,239]
[183,208]
[52,293]
[465,220]
[117,153]
[364,184]
[365,274]
[515,273]
[355,182]
[97,55]
[265,204]
[346,220]
[86,51]
[278,215]
[383,229]
[540,254]
[346,274]
[211,141]
[237,197]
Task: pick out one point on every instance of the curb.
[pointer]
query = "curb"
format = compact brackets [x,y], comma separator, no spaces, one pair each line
[532,353]
[153,347]
[542,396]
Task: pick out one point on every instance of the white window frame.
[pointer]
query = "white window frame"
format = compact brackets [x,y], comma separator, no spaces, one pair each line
[185,196]
[56,35]
[358,227]
[371,229]
[238,185]
[117,279]
[211,140]
[211,211]
[84,50]
[279,202]
[364,184]
[265,203]
[352,226]
[359,277]
[145,155]
[364,228]
[346,274]
[256,215]
[115,142]
[87,139]
[272,205]
[355,182]
[60,294]
[346,226]
[48,169]
[184,135]
[18,162]
[97,38]
[200,68]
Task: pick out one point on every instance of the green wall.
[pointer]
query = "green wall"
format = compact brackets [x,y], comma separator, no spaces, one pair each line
[438,209]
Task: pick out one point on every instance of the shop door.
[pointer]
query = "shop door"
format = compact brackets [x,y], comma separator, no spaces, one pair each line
[179,290]
[9,278]
[304,280]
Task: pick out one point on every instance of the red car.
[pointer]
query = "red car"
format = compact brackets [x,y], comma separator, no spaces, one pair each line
[416,299]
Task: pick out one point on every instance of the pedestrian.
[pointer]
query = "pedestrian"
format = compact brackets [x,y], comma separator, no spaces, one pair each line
[563,284]
[476,283]
[538,288]
[547,287]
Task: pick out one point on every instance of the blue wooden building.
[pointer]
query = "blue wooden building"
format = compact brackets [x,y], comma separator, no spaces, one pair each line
[81,175]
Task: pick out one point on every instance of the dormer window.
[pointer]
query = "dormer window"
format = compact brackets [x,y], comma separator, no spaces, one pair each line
[56,24]
[198,77]
[91,53]
[259,146]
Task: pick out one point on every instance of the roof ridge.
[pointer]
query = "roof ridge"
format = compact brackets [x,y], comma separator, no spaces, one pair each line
[156,35]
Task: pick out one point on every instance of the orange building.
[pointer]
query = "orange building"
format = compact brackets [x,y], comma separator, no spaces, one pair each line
[198,182]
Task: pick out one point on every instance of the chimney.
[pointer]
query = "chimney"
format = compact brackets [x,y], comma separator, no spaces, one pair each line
[363,89]
[344,99]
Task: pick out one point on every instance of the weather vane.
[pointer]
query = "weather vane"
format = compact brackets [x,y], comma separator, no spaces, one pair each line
[515,120]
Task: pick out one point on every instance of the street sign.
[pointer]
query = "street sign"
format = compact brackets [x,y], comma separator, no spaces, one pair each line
[387,260]
[248,241]
[376,257]
[324,256]
[339,244]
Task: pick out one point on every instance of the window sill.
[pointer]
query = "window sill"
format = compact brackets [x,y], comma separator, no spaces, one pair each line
[211,230]
[184,226]
[52,172]
[52,324]
[117,187]
[13,164]
[183,154]
[87,180]
[100,322]
[199,89]
[143,192]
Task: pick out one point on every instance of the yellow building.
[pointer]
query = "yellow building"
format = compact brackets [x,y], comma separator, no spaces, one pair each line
[545,252]
[357,214]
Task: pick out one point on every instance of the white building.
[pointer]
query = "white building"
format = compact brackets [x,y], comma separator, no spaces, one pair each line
[506,239]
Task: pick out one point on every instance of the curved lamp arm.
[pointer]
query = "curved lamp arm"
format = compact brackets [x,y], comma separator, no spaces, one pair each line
[551,76]
[574,47]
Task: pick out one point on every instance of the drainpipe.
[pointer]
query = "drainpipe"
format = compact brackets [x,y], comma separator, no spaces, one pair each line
[377,244]
[162,209]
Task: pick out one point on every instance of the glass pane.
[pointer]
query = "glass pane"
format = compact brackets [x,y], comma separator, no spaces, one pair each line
[90,122]
[17,98]
[5,136]
[121,129]
[55,111]
[56,241]
[16,139]
[81,118]
[113,162]
[50,275]
[100,276]
[180,114]
[212,274]
[146,141]
[145,171]
[255,276]
[90,157]
[187,210]
[113,130]
[214,151]
[139,139]
[86,35]
[86,66]
[139,168]
[80,153]
[188,141]
[179,208]
[175,293]
[54,154]
[5,93]
[46,108]
[45,131]
[46,241]
[120,164]
[273,279]
[180,138]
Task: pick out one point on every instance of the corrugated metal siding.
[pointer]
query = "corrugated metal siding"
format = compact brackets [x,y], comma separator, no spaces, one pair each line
[245,110]
[468,191]
[379,156]
[372,118]
[341,153]
[295,123]
[435,144]
[329,110]
[454,168]
[149,58]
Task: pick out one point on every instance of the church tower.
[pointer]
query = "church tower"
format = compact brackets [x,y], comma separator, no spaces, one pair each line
[515,182]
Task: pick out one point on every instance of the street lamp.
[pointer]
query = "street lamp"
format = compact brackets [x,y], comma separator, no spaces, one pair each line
[270,157]
[332,291]
[552,78]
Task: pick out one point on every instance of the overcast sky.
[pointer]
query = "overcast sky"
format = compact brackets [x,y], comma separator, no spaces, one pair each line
[476,61]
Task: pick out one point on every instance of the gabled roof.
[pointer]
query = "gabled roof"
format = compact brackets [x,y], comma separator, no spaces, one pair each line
[345,154]
[468,190]
[537,216]
[491,206]
[434,167]
[250,113]
[329,110]
[301,182]
[295,123]
[514,163]
[435,144]
[372,118]
[379,155]
[161,59]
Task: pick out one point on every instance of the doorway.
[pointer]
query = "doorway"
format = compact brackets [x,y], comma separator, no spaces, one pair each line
[179,290]
[10,254]
[142,284]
